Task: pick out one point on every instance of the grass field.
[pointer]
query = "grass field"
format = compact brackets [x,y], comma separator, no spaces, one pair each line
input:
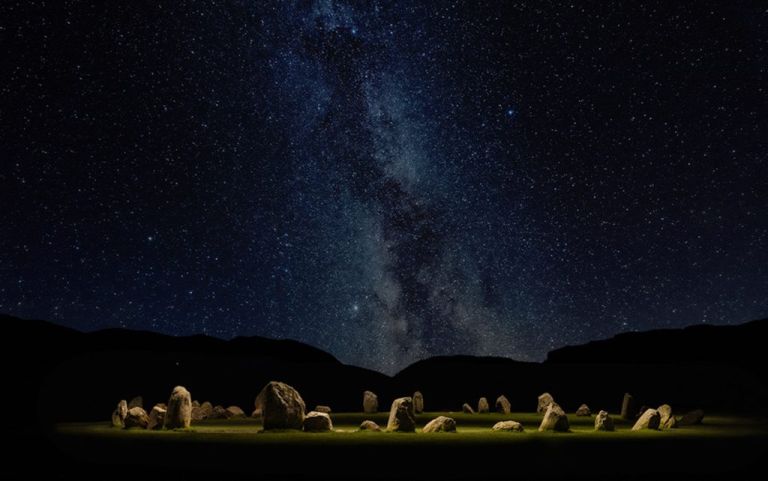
[723,446]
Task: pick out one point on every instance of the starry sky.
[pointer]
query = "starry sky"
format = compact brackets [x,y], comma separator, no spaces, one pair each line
[385,180]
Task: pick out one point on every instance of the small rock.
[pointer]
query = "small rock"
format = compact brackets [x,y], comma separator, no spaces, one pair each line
[401,416]
[418,402]
[502,405]
[554,419]
[583,411]
[118,415]
[323,409]
[157,417]
[604,422]
[179,412]
[627,406]
[691,418]
[466,408]
[370,402]
[137,418]
[369,426]
[317,422]
[283,407]
[648,420]
[508,426]
[545,400]
[442,424]
[136,402]
[482,406]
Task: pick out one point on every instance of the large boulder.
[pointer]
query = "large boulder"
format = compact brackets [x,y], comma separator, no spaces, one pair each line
[467,409]
[583,411]
[136,402]
[628,407]
[502,405]
[234,412]
[316,422]
[691,418]
[137,418]
[401,416]
[368,425]
[323,409]
[418,402]
[554,419]
[648,420]
[604,422]
[157,417]
[545,400]
[482,406]
[440,424]
[283,407]
[179,412]
[508,426]
[118,415]
[665,414]
[370,402]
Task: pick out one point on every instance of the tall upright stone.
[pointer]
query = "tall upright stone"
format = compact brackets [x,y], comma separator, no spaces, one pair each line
[554,419]
[502,405]
[119,414]
[370,402]
[418,402]
[628,407]
[604,422]
[544,401]
[401,416]
[179,412]
[283,407]
[482,406]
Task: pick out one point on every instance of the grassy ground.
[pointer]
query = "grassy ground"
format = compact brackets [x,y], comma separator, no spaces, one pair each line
[722,447]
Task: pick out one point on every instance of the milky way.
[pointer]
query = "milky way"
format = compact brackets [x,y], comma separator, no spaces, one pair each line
[386,180]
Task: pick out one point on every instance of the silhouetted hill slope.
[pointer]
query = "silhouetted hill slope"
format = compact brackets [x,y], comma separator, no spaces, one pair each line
[742,344]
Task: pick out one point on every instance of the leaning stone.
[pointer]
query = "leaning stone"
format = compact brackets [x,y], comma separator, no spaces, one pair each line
[545,400]
[418,402]
[179,412]
[370,402]
[316,422]
[156,417]
[283,407]
[137,418]
[648,420]
[583,411]
[369,426]
[118,415]
[401,416]
[691,418]
[508,426]
[627,407]
[442,424]
[554,419]
[466,408]
[502,405]
[482,406]
[323,409]
[604,422]
[136,402]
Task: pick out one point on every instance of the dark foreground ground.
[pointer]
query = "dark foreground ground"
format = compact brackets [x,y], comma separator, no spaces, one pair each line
[722,448]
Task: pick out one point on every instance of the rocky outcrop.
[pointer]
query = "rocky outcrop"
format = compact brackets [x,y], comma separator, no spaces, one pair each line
[418,402]
[370,402]
[648,420]
[317,422]
[554,419]
[441,424]
[545,400]
[401,416]
[283,407]
[513,426]
[179,412]
[604,422]
[502,405]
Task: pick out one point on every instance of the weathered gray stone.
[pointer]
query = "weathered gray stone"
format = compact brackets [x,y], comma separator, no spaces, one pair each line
[283,407]
[554,419]
[583,411]
[136,418]
[401,417]
[508,426]
[648,420]
[628,407]
[118,415]
[482,406]
[323,409]
[136,402]
[370,402]
[179,412]
[466,408]
[544,401]
[368,425]
[157,417]
[604,422]
[665,414]
[440,424]
[418,402]
[317,422]
[691,418]
[502,405]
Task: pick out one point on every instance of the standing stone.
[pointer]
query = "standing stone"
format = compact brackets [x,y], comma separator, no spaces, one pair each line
[508,426]
[136,402]
[179,412]
[691,418]
[316,422]
[604,422]
[554,419]
[482,406]
[649,420]
[156,417]
[370,402]
[401,416]
[441,424]
[665,414]
[466,408]
[195,404]
[627,407]
[544,401]
[118,415]
[368,425]
[234,412]
[583,411]
[203,411]
[283,407]
[219,413]
[502,405]
[137,418]
[323,409]
[418,402]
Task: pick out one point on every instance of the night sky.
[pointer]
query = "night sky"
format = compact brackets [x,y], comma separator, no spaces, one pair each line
[385,180]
